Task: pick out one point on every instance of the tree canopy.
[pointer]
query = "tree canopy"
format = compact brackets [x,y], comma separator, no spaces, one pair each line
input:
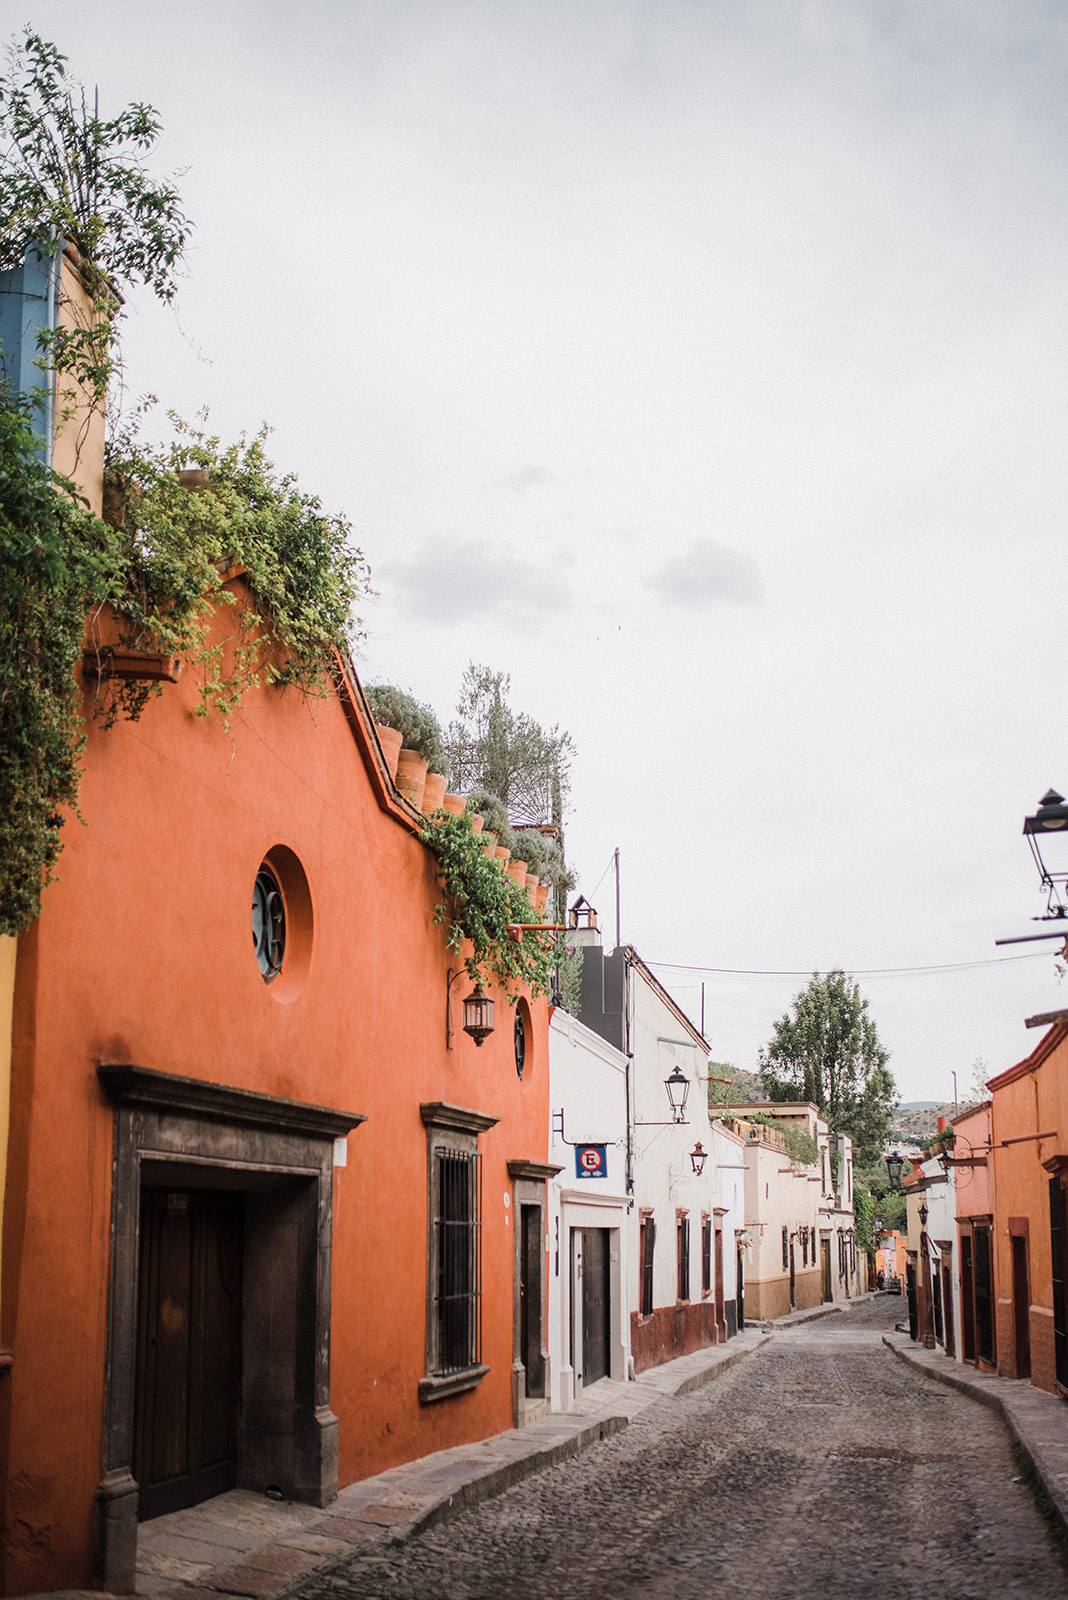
[490,746]
[827,1050]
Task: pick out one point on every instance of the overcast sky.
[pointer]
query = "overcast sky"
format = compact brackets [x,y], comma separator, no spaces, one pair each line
[702,365]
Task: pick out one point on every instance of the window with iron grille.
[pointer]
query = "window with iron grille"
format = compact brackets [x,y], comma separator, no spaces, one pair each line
[785,1249]
[682,1250]
[646,1243]
[458,1295]
[454,1251]
[706,1255]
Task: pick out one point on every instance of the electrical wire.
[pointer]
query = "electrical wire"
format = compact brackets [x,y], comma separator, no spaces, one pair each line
[858,972]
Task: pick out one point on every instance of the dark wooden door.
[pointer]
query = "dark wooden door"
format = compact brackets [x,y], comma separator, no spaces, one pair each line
[596,1298]
[1021,1308]
[532,1256]
[967,1299]
[825,1268]
[984,1295]
[740,1302]
[947,1305]
[188,1348]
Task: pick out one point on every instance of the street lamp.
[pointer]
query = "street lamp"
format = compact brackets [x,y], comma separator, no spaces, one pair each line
[1050,818]
[698,1156]
[678,1087]
[894,1163]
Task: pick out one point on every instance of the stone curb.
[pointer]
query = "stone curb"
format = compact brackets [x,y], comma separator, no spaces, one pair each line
[1037,1421]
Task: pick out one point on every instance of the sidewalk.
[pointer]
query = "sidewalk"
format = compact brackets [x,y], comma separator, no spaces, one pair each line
[827,1308]
[244,1545]
[1037,1421]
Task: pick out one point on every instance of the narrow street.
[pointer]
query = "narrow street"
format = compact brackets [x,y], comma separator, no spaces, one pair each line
[821,1466]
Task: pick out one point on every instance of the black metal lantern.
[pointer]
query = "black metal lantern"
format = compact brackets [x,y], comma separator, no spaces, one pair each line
[923,1215]
[698,1156]
[677,1085]
[1050,818]
[478,1014]
[894,1163]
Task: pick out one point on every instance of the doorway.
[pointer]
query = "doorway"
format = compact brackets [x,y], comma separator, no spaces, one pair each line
[531,1257]
[1021,1308]
[947,1300]
[596,1303]
[188,1386]
[967,1299]
[825,1269]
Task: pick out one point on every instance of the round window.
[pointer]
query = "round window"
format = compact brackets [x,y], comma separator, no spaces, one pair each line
[268,923]
[520,1042]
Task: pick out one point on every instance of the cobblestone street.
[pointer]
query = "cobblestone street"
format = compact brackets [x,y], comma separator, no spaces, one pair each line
[821,1466]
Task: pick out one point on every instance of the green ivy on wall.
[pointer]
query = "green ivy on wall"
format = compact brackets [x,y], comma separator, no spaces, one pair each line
[481,900]
[56,562]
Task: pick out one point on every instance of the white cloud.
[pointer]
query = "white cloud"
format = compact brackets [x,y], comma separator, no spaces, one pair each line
[709,573]
[528,477]
[447,582]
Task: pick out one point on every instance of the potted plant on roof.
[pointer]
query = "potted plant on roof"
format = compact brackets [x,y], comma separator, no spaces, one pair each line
[399,716]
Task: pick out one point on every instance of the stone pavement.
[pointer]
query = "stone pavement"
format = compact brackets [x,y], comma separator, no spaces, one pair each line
[1037,1421]
[775,1483]
[245,1545]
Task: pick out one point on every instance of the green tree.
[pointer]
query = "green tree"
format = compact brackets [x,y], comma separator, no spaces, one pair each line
[490,746]
[827,1051]
[66,173]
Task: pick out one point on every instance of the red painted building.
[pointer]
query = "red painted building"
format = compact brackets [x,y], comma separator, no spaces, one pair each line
[1029,1140]
[261,1226]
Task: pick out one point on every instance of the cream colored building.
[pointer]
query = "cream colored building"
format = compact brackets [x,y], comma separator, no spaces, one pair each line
[799,1227]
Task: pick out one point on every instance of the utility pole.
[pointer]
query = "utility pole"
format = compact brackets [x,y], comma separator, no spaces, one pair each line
[953,1075]
[616,858]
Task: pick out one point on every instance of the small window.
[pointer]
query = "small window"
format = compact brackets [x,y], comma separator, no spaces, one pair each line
[520,1042]
[786,1249]
[268,923]
[682,1240]
[646,1243]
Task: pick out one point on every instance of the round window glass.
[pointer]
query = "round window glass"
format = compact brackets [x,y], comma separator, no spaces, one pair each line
[268,923]
[520,1043]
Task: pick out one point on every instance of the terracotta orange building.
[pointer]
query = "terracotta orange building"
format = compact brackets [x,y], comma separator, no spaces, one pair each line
[265,1222]
[1029,1136]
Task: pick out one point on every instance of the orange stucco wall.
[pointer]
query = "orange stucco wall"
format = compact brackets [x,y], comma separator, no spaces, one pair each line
[1030,1098]
[143,954]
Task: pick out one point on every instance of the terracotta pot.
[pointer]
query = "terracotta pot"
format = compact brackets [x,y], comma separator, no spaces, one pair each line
[411,775]
[391,742]
[541,896]
[478,822]
[532,881]
[502,852]
[433,792]
[517,870]
[455,805]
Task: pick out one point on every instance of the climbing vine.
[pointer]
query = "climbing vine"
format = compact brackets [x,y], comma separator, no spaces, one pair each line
[205,528]
[481,900]
[56,561]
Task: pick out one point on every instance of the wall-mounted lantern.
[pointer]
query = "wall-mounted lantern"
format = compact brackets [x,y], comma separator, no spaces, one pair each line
[894,1163]
[1051,818]
[677,1085]
[478,1014]
[698,1157]
[478,1010]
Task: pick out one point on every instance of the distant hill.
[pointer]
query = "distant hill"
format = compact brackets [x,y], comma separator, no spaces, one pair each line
[744,1087]
[918,1105]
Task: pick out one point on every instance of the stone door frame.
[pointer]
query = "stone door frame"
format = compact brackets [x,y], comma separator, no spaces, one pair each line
[197,1134]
